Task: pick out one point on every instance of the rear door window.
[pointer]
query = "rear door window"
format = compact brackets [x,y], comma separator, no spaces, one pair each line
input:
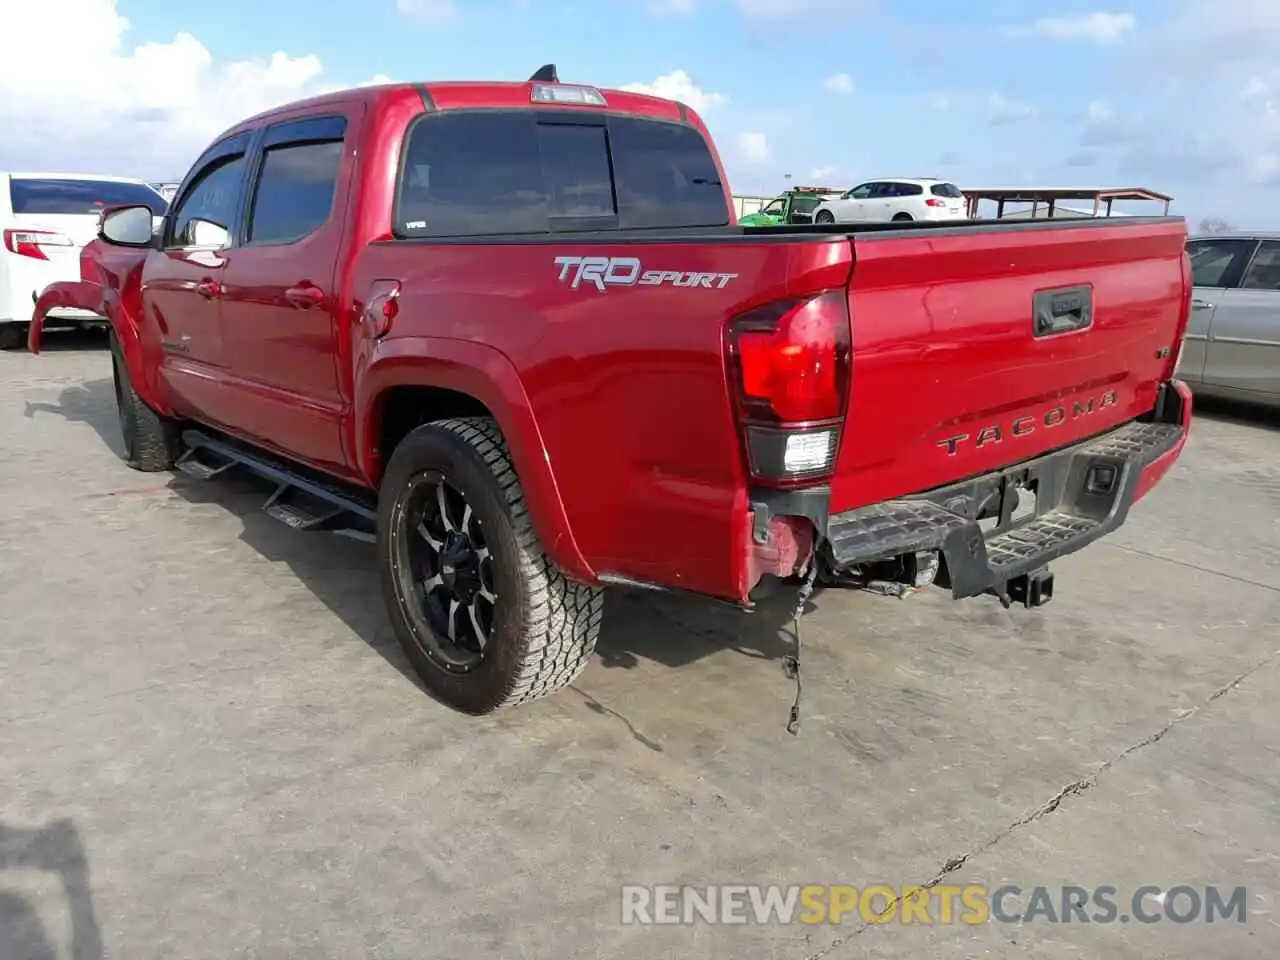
[520,172]
[1219,263]
[1264,271]
[295,191]
[52,196]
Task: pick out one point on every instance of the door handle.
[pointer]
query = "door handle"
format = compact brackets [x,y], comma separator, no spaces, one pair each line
[304,295]
[1201,304]
[209,289]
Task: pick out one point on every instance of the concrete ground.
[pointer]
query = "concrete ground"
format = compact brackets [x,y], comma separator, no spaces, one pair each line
[210,747]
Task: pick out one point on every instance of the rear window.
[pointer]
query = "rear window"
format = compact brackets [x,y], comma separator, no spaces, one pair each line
[57,196]
[946,190]
[513,172]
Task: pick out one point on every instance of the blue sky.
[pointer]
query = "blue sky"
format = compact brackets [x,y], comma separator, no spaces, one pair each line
[1175,95]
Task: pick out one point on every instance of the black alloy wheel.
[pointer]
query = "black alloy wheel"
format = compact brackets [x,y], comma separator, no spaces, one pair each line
[446,573]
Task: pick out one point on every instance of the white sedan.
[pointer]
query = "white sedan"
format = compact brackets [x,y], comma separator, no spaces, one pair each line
[46,219]
[898,199]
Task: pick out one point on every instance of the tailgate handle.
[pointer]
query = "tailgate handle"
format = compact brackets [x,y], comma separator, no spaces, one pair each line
[1062,310]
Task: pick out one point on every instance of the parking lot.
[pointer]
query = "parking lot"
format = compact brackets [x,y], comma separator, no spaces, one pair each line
[211,747]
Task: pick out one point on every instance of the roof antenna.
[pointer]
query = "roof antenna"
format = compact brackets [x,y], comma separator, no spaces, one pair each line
[545,74]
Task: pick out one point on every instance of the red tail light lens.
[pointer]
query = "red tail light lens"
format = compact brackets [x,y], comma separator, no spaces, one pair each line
[789,367]
[30,243]
[935,202]
[792,361]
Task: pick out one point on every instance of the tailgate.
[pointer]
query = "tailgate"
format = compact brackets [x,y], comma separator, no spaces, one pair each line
[978,347]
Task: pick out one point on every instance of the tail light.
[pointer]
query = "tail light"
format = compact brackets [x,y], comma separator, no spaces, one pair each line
[789,370]
[30,243]
[934,202]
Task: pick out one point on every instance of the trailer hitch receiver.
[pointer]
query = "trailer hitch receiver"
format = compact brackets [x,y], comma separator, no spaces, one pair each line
[1033,589]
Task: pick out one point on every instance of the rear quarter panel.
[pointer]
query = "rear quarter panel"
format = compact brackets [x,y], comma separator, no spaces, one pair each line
[629,427]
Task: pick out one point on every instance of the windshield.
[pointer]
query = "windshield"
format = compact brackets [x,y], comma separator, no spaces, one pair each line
[61,195]
[946,190]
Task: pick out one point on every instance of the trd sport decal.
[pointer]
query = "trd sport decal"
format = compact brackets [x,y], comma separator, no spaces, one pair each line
[605,272]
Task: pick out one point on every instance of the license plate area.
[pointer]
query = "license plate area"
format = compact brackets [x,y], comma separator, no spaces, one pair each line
[1012,500]
[1080,483]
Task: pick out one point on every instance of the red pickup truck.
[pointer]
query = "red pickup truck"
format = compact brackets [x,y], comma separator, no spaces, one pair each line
[513,330]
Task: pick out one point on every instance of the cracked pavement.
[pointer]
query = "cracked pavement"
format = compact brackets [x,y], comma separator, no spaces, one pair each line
[210,746]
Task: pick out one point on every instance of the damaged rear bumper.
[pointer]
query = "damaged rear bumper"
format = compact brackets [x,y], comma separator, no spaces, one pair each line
[1082,492]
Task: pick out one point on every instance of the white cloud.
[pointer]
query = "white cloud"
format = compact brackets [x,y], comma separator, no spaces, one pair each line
[1003,111]
[678,85]
[799,9]
[427,11]
[1100,27]
[1100,112]
[112,106]
[818,174]
[766,10]
[676,8]
[1213,60]
[753,148]
[840,83]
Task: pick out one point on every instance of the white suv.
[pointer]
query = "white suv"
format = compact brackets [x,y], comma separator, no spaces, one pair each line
[46,219]
[896,198]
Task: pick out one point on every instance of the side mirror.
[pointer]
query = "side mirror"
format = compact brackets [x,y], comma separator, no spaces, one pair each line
[206,233]
[129,226]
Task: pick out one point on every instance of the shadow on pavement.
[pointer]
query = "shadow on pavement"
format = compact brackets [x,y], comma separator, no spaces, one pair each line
[341,571]
[71,340]
[92,402]
[671,630]
[55,849]
[1233,411]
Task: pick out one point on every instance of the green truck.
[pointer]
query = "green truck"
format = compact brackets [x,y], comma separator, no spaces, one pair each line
[794,206]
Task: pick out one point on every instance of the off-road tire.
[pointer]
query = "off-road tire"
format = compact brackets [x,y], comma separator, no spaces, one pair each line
[903,218]
[151,442]
[824,216]
[12,336]
[545,626]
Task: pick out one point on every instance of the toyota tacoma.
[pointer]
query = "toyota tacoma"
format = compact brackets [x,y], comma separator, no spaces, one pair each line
[511,330]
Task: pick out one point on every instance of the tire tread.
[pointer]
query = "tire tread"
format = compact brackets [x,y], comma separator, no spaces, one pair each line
[562,619]
[151,441]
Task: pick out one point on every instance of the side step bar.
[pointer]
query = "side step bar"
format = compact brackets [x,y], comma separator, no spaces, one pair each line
[298,501]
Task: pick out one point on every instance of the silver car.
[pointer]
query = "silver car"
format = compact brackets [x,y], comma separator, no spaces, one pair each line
[1232,350]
